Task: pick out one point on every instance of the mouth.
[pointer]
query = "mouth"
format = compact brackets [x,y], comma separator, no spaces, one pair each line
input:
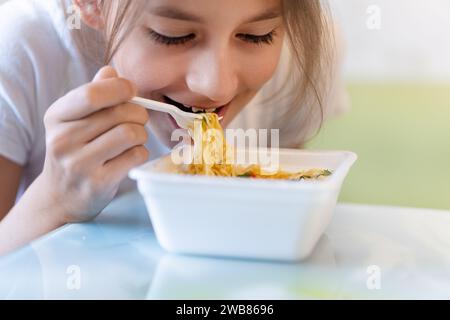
[187,108]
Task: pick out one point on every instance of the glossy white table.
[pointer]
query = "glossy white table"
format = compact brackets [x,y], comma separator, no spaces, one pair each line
[367,252]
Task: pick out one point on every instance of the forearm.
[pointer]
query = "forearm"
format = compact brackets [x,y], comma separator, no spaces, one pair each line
[94,137]
[33,216]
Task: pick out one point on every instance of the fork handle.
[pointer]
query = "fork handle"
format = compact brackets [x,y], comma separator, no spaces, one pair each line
[154,105]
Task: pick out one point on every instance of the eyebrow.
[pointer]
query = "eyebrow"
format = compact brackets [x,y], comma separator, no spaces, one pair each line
[266,15]
[173,13]
[177,14]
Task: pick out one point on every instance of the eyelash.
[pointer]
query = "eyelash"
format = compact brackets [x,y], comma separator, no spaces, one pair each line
[264,39]
[173,41]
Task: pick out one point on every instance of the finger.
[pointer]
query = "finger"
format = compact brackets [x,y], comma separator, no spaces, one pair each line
[116,141]
[106,72]
[117,169]
[93,97]
[93,126]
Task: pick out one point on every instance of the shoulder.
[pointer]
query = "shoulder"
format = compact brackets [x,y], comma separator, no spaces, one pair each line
[31,57]
[27,32]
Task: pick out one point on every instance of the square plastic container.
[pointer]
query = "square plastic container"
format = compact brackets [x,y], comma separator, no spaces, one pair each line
[241,217]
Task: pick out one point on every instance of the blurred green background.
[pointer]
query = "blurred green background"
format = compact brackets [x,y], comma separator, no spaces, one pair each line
[401,135]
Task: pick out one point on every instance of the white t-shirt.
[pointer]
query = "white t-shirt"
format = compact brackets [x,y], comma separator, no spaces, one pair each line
[40,62]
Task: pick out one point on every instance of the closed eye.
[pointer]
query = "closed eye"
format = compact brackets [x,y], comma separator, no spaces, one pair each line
[262,39]
[171,41]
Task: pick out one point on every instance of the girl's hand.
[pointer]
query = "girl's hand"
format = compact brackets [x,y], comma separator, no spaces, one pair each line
[93,137]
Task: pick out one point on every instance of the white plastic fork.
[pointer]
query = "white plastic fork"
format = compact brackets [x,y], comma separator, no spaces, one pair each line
[184,119]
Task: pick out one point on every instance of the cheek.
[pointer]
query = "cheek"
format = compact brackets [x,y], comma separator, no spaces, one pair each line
[148,71]
[261,65]
[260,69]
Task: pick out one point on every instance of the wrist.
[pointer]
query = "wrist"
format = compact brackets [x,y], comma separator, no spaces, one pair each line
[33,216]
[45,202]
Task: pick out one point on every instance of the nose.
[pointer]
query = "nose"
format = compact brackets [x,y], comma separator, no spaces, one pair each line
[213,75]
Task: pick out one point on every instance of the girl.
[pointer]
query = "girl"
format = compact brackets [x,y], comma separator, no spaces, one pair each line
[68,136]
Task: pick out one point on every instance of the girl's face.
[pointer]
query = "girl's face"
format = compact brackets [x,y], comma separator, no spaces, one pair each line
[208,54]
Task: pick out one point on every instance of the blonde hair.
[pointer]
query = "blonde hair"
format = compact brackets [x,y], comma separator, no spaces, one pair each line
[311,43]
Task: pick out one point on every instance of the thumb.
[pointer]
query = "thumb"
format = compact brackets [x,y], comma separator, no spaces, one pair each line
[104,73]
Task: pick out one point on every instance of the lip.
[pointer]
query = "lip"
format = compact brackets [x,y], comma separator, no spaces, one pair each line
[221,112]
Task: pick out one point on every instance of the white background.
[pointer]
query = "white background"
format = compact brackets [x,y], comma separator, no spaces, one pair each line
[413,42]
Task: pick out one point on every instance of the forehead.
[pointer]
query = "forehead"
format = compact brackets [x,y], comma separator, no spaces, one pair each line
[204,11]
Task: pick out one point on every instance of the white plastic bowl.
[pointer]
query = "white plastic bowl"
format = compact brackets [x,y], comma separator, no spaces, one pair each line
[239,217]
